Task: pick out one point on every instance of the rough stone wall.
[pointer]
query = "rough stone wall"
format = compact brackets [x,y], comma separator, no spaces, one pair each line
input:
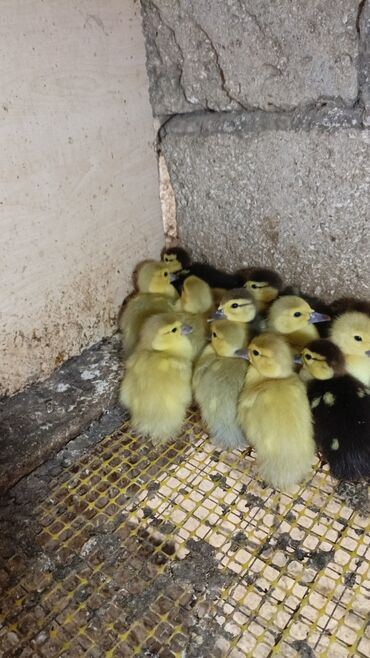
[265,109]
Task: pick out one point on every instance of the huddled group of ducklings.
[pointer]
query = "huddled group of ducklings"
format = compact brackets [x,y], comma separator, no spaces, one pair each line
[270,367]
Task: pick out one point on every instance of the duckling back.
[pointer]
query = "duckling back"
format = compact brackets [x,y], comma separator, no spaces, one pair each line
[156,388]
[137,310]
[155,295]
[194,305]
[275,414]
[217,382]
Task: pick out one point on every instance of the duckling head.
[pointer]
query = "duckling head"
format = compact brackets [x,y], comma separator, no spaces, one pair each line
[196,296]
[265,285]
[323,360]
[237,305]
[166,333]
[227,337]
[155,277]
[290,313]
[351,332]
[271,356]
[176,259]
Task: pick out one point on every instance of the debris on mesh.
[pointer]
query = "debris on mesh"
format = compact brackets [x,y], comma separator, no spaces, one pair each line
[183,552]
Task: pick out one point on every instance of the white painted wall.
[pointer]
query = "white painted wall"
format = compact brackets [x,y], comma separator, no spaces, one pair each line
[79,199]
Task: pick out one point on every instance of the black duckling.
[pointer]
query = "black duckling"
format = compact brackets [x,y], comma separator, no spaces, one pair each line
[265,285]
[215,277]
[340,406]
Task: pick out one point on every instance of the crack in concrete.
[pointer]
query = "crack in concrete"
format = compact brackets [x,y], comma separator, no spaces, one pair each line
[363,67]
[224,87]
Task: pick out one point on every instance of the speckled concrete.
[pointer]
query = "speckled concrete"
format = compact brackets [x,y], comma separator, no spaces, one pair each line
[289,191]
[234,54]
[37,422]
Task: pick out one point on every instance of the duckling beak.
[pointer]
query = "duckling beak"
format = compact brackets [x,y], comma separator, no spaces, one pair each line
[367,353]
[218,315]
[242,354]
[186,329]
[318,317]
[298,359]
[174,277]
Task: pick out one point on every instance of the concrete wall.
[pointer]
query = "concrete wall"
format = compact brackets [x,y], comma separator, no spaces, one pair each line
[270,158]
[79,201]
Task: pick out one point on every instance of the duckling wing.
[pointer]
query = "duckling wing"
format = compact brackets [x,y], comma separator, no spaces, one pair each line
[217,383]
[156,389]
[136,312]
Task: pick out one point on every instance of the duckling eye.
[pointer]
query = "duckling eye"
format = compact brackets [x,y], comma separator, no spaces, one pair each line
[358,338]
[253,285]
[165,259]
[173,331]
[308,357]
[234,305]
[214,334]
[255,353]
[297,314]
[165,273]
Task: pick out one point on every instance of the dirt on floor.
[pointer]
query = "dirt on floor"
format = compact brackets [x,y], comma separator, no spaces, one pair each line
[115,548]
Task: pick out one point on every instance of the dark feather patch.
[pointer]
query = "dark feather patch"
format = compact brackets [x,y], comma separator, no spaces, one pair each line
[332,354]
[262,275]
[347,421]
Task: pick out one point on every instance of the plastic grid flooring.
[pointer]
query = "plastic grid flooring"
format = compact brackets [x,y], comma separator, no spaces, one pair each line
[183,552]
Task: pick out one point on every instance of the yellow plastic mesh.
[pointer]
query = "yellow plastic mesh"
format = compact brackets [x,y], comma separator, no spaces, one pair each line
[183,552]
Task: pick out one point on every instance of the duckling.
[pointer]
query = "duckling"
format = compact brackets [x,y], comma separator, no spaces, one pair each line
[264,285]
[238,305]
[194,305]
[294,317]
[351,332]
[275,414]
[217,381]
[176,258]
[156,387]
[213,276]
[341,410]
[156,295]
[315,302]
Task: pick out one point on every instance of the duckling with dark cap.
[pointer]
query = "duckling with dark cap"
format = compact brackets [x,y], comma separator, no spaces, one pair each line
[340,405]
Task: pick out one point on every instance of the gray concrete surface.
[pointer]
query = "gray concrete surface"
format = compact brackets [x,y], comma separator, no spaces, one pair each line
[39,421]
[225,55]
[291,192]
[266,111]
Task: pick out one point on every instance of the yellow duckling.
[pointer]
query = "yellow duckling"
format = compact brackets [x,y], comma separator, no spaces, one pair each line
[275,414]
[217,381]
[156,388]
[156,295]
[294,317]
[263,284]
[237,306]
[194,305]
[351,332]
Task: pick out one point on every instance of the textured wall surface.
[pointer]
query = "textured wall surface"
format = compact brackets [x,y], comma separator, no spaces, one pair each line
[275,192]
[270,158]
[230,54]
[79,201]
